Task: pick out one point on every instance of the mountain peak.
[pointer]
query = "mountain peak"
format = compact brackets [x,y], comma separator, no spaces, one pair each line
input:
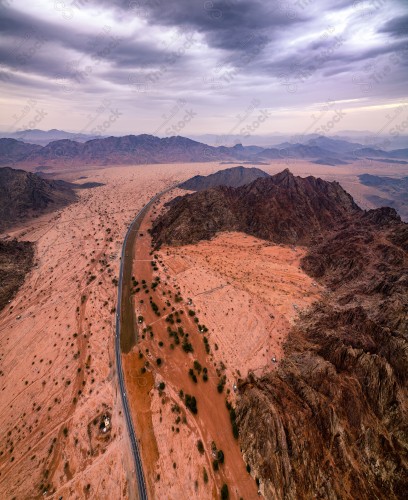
[280,208]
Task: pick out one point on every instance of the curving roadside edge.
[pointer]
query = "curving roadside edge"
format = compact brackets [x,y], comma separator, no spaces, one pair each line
[118,355]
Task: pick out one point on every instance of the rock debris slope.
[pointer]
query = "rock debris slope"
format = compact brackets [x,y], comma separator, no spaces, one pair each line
[331,422]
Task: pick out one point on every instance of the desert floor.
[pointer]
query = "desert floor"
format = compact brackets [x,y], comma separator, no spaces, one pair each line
[57,377]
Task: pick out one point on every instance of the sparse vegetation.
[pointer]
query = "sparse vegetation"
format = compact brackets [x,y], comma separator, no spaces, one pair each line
[191,403]
[221,384]
[233,418]
[200,447]
[206,345]
[186,345]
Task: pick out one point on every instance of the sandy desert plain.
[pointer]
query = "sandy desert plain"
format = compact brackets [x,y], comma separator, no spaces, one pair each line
[58,381]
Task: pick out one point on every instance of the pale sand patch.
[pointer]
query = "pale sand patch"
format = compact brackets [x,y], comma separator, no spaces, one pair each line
[247,291]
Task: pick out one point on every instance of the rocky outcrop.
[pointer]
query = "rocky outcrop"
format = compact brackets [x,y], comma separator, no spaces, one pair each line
[24,195]
[331,422]
[16,259]
[282,208]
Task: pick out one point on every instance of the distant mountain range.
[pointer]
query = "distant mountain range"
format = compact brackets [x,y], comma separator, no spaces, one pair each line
[393,192]
[44,137]
[146,149]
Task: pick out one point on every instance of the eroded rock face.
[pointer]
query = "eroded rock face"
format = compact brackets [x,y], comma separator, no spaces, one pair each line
[16,259]
[331,422]
[282,208]
[24,195]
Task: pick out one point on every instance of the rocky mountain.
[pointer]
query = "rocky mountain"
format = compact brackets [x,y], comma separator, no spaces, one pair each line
[16,259]
[335,145]
[13,151]
[120,150]
[24,195]
[282,208]
[233,177]
[331,421]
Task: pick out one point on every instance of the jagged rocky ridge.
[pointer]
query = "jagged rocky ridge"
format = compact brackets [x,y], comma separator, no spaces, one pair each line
[331,421]
[281,208]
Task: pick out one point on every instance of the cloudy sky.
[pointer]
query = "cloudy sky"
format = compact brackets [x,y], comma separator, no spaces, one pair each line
[187,67]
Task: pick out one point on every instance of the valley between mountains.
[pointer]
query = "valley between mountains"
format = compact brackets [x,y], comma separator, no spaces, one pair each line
[268,352]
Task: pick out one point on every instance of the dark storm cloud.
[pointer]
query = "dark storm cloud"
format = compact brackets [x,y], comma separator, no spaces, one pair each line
[224,23]
[241,48]
[397,27]
[333,55]
[24,36]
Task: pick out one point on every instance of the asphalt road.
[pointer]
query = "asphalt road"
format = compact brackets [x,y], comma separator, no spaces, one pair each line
[132,435]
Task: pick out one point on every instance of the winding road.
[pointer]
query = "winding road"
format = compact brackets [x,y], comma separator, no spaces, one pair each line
[133,228]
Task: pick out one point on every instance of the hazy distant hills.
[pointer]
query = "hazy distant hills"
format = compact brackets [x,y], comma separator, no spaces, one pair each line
[44,137]
[233,177]
[394,192]
[145,149]
[274,140]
